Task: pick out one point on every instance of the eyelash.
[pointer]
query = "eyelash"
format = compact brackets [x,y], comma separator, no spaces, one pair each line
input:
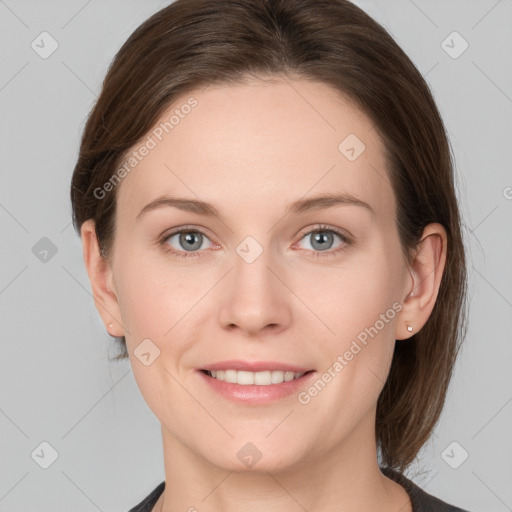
[198,254]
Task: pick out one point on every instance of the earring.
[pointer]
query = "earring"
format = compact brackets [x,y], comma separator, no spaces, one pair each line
[409,328]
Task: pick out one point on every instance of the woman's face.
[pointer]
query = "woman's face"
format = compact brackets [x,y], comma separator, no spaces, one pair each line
[258,283]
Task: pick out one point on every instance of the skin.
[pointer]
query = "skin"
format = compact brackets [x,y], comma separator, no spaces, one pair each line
[250,149]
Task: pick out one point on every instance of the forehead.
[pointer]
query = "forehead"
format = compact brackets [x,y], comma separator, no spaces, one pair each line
[257,144]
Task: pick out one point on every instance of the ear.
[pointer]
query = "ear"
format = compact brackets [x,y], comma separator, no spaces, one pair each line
[426,272]
[102,283]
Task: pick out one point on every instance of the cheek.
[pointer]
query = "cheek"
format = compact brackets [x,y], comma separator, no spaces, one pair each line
[354,295]
[161,300]
[145,296]
[153,307]
[360,308]
[357,358]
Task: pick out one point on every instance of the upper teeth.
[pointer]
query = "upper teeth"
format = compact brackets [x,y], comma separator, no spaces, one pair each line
[259,378]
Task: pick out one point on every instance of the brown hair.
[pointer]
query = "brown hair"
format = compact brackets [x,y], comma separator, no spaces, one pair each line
[195,43]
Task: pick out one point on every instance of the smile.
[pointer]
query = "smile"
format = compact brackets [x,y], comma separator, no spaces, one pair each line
[247,378]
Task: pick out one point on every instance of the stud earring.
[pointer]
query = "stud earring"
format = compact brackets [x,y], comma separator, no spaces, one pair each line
[409,328]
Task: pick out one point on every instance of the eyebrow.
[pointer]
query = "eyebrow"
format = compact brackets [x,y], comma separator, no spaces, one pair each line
[300,206]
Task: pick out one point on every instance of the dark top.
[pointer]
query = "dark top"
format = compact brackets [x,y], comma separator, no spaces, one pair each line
[421,501]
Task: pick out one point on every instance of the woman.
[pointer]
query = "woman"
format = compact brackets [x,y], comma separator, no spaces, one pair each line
[266,202]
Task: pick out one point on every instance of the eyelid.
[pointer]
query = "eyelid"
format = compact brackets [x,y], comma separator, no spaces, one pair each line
[345,237]
[324,227]
[183,229]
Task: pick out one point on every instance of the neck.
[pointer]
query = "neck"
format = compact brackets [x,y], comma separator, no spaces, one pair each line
[344,477]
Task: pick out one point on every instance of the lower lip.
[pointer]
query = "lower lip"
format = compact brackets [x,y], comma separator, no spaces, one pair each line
[253,394]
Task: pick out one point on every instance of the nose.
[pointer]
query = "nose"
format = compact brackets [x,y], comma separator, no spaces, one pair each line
[256,299]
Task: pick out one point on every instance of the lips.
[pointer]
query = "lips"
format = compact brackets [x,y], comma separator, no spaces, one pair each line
[237,386]
[254,366]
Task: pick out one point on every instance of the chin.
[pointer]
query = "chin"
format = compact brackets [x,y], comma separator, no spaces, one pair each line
[253,458]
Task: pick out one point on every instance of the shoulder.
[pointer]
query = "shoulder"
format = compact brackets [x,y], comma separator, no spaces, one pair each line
[147,504]
[420,499]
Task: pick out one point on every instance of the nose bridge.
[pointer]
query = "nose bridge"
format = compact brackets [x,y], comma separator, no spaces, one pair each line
[251,272]
[256,297]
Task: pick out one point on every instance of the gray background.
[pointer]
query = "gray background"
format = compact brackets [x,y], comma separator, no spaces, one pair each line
[56,383]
